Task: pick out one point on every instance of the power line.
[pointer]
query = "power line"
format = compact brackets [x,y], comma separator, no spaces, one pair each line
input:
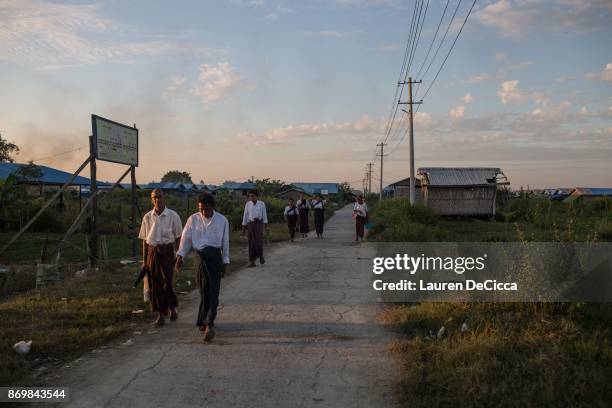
[416,43]
[441,42]
[433,40]
[443,62]
[450,50]
[394,106]
[59,154]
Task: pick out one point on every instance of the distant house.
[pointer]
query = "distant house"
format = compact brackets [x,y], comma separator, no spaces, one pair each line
[238,190]
[171,188]
[50,179]
[294,193]
[206,188]
[317,188]
[402,189]
[587,194]
[469,191]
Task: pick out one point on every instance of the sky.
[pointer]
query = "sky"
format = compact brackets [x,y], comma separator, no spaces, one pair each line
[303,90]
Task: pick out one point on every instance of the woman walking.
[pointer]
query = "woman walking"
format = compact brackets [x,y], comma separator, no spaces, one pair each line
[303,206]
[319,215]
[360,213]
[291,215]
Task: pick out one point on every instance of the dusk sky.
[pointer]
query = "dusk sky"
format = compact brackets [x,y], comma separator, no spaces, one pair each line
[301,90]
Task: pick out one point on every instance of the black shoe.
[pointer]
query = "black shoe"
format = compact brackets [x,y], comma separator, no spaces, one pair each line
[262,260]
[251,264]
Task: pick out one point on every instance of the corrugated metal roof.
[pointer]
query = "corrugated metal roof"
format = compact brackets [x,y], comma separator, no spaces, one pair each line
[592,191]
[50,176]
[238,186]
[316,188]
[459,176]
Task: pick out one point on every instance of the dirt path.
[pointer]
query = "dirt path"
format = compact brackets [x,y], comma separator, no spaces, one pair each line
[297,332]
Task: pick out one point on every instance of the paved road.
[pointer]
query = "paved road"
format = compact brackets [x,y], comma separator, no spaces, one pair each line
[299,331]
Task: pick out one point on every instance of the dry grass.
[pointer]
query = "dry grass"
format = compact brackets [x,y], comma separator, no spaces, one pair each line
[510,355]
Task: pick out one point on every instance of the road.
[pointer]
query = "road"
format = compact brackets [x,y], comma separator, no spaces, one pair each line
[299,331]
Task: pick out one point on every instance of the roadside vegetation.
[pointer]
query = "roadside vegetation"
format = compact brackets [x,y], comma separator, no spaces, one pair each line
[501,354]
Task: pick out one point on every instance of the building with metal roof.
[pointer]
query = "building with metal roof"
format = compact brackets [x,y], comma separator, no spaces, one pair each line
[49,177]
[317,188]
[401,188]
[466,191]
[588,193]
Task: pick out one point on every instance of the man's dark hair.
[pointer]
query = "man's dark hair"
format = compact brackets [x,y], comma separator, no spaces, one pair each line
[254,192]
[207,199]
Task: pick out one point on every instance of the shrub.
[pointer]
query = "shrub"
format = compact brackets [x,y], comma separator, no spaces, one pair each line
[397,220]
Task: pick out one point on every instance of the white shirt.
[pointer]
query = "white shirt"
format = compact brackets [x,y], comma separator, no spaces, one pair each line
[291,211]
[320,204]
[201,232]
[303,204]
[254,211]
[361,209]
[158,229]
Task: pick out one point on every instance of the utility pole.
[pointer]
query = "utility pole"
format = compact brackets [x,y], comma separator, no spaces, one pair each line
[410,103]
[370,177]
[382,146]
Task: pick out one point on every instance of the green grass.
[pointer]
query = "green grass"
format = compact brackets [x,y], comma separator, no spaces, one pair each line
[512,354]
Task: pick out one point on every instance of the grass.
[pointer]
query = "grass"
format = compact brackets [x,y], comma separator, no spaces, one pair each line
[510,354]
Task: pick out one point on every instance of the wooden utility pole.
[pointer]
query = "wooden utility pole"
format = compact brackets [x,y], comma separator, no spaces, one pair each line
[370,177]
[93,190]
[410,103]
[133,232]
[382,155]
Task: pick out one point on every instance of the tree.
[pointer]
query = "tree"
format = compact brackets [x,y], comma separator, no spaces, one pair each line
[28,172]
[269,187]
[6,149]
[345,187]
[176,176]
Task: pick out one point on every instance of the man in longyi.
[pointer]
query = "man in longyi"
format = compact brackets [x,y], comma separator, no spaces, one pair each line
[160,232]
[254,221]
[207,232]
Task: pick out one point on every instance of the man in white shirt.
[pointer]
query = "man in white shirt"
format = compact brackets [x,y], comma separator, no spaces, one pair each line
[160,232]
[206,232]
[254,220]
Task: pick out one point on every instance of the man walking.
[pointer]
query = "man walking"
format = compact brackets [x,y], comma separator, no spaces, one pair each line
[207,232]
[254,221]
[160,232]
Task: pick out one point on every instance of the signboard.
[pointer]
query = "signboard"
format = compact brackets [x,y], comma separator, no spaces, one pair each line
[114,142]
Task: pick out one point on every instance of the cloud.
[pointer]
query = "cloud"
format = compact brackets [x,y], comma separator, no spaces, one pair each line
[175,83]
[457,113]
[510,93]
[478,78]
[467,98]
[516,18]
[215,81]
[331,34]
[51,36]
[606,74]
[499,56]
[292,133]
